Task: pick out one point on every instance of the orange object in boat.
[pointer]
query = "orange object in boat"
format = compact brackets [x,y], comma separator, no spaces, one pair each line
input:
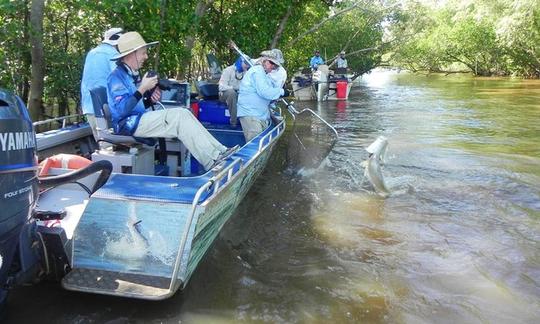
[65,161]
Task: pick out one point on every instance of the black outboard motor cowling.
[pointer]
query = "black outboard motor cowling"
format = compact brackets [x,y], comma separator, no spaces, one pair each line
[18,178]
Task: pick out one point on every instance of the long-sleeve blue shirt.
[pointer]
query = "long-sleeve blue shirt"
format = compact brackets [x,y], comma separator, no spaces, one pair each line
[315,60]
[97,67]
[126,109]
[256,92]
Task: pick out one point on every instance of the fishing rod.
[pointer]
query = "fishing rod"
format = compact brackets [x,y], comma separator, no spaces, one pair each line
[290,107]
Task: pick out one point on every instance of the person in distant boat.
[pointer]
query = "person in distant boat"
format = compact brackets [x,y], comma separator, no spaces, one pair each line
[256,92]
[341,61]
[229,84]
[129,94]
[316,60]
[97,67]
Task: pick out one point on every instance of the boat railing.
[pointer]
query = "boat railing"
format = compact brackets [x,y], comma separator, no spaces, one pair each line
[274,133]
[64,120]
[213,183]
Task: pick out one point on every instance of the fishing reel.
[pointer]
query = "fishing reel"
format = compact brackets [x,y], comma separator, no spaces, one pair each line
[163,84]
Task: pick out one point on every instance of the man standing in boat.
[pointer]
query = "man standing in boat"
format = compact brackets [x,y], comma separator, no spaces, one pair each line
[341,61]
[229,84]
[125,91]
[257,90]
[316,60]
[97,67]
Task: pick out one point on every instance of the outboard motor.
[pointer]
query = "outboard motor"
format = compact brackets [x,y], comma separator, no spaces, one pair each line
[18,181]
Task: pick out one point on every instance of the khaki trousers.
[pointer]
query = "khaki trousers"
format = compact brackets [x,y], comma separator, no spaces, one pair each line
[253,126]
[180,123]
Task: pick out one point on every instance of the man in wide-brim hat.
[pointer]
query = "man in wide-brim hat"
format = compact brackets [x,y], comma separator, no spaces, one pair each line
[126,89]
[256,92]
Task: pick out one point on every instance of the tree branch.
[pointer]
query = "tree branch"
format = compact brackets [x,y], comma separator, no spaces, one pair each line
[161,28]
[281,27]
[317,26]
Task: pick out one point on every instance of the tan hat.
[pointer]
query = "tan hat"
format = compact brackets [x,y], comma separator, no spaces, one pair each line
[129,43]
[271,56]
[112,35]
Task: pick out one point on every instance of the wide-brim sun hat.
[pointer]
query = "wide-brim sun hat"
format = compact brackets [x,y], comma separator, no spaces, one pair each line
[129,43]
[270,56]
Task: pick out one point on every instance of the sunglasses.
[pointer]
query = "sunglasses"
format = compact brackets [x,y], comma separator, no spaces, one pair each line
[274,65]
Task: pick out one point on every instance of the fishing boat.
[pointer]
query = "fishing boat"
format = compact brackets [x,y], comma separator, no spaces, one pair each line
[129,223]
[322,84]
[304,88]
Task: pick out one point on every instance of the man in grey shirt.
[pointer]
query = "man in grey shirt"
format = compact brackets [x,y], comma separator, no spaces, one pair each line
[341,61]
[229,84]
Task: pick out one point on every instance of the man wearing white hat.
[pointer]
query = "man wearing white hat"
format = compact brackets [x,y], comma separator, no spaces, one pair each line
[257,90]
[97,67]
[125,90]
[341,61]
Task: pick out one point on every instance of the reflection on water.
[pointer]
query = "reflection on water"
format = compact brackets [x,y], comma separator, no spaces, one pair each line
[457,241]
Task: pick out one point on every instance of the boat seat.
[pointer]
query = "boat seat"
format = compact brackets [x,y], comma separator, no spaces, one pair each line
[104,129]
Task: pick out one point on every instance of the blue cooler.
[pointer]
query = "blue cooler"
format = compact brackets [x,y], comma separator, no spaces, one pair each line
[214,111]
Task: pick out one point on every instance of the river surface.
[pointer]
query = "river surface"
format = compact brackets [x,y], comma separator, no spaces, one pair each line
[457,241]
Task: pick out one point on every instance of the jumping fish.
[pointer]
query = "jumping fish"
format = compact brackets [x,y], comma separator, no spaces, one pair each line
[373,165]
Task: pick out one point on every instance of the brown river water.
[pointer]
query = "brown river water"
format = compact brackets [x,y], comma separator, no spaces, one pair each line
[457,241]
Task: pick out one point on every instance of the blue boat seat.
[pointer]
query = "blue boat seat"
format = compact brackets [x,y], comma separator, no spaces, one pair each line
[104,129]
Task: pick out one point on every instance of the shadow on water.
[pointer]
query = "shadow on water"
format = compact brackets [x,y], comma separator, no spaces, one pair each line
[455,242]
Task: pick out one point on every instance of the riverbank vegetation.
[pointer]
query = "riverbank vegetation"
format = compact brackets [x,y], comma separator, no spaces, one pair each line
[43,43]
[485,37]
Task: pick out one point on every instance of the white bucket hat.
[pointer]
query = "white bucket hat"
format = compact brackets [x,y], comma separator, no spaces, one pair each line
[270,56]
[129,43]
[112,35]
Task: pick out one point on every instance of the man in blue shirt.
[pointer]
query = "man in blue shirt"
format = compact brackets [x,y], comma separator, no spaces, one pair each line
[316,60]
[125,91]
[256,92]
[97,67]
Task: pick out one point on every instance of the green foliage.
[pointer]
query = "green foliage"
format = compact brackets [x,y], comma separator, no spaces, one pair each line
[355,30]
[252,25]
[14,46]
[485,37]
[73,27]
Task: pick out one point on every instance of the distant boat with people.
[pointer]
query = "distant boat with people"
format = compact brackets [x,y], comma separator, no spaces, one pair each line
[322,84]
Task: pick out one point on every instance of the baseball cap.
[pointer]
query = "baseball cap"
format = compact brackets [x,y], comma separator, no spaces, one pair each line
[111,36]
